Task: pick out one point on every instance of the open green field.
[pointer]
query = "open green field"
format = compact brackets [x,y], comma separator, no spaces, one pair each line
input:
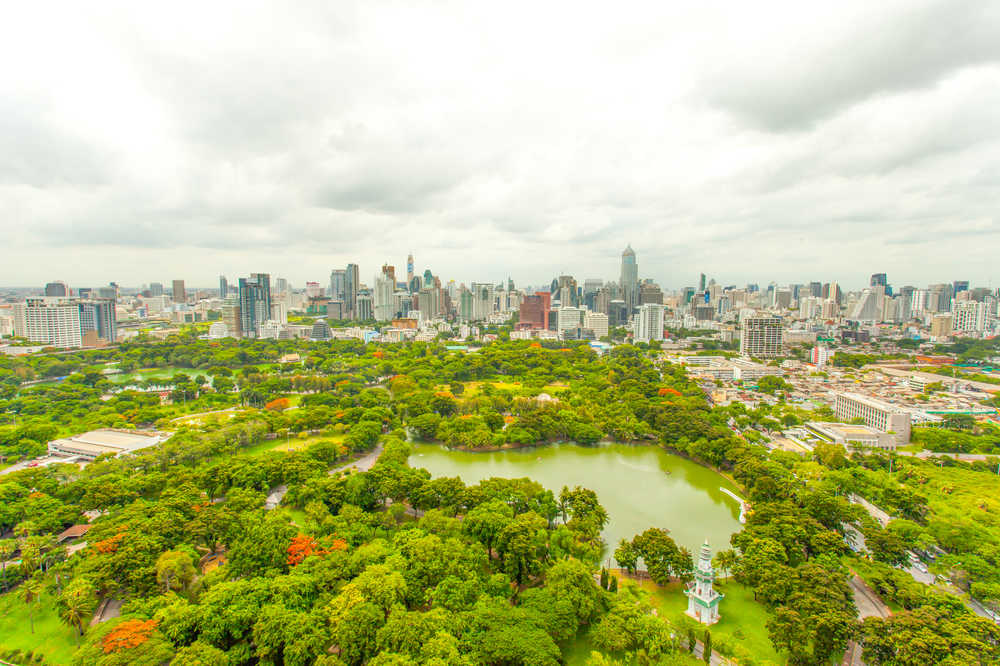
[52,638]
[283,445]
[149,374]
[742,626]
[474,388]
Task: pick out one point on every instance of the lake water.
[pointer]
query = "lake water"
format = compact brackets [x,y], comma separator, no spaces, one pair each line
[639,486]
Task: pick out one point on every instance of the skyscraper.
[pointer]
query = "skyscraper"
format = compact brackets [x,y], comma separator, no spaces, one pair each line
[351,286]
[385,289]
[57,288]
[409,269]
[879,280]
[701,282]
[629,283]
[338,285]
[98,315]
[155,289]
[180,295]
[254,303]
[649,323]
[223,286]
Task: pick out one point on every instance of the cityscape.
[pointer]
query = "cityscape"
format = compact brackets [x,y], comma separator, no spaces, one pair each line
[467,334]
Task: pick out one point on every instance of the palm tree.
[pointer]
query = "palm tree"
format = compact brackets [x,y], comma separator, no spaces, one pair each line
[77,603]
[7,548]
[30,593]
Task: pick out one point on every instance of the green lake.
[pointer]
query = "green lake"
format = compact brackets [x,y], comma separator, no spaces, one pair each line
[639,486]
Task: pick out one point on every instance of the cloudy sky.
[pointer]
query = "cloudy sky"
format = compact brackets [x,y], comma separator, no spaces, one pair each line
[752,141]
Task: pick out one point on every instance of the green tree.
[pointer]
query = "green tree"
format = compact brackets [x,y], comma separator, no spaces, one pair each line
[174,570]
[30,593]
[76,604]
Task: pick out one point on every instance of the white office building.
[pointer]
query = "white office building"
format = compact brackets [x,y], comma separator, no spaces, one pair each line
[969,316]
[648,323]
[52,321]
[570,318]
[597,322]
[875,413]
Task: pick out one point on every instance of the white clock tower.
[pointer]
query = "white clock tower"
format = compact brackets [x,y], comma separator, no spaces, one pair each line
[703,600]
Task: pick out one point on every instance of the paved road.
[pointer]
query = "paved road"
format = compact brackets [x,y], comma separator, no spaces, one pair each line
[868,603]
[969,457]
[362,464]
[878,514]
[852,657]
[199,414]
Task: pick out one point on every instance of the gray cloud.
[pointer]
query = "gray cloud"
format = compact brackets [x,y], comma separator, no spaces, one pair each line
[148,146]
[805,83]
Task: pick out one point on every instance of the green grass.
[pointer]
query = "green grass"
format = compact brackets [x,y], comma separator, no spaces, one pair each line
[742,624]
[283,445]
[52,638]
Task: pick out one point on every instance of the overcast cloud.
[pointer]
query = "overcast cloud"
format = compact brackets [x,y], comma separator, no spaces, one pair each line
[754,142]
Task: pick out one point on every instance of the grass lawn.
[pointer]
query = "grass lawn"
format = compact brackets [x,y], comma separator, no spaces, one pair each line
[291,444]
[742,627]
[52,638]
[473,388]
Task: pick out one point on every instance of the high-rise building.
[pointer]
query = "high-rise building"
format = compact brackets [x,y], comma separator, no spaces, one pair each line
[816,289]
[52,321]
[351,288]
[465,303]
[254,303]
[701,282]
[57,289]
[596,322]
[231,317]
[281,285]
[649,292]
[942,326]
[385,289]
[534,312]
[98,315]
[879,280]
[364,309]
[648,324]
[179,293]
[970,316]
[155,289]
[761,336]
[570,318]
[338,285]
[223,287]
[960,286]
[821,354]
[409,269]
[482,300]
[629,283]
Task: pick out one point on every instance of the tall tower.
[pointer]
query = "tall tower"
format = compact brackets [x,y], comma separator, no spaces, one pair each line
[254,303]
[351,284]
[703,600]
[629,279]
[409,268]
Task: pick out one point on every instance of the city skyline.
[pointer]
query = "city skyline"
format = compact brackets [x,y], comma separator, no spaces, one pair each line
[158,145]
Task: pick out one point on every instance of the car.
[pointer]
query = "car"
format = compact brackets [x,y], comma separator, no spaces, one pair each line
[34,463]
